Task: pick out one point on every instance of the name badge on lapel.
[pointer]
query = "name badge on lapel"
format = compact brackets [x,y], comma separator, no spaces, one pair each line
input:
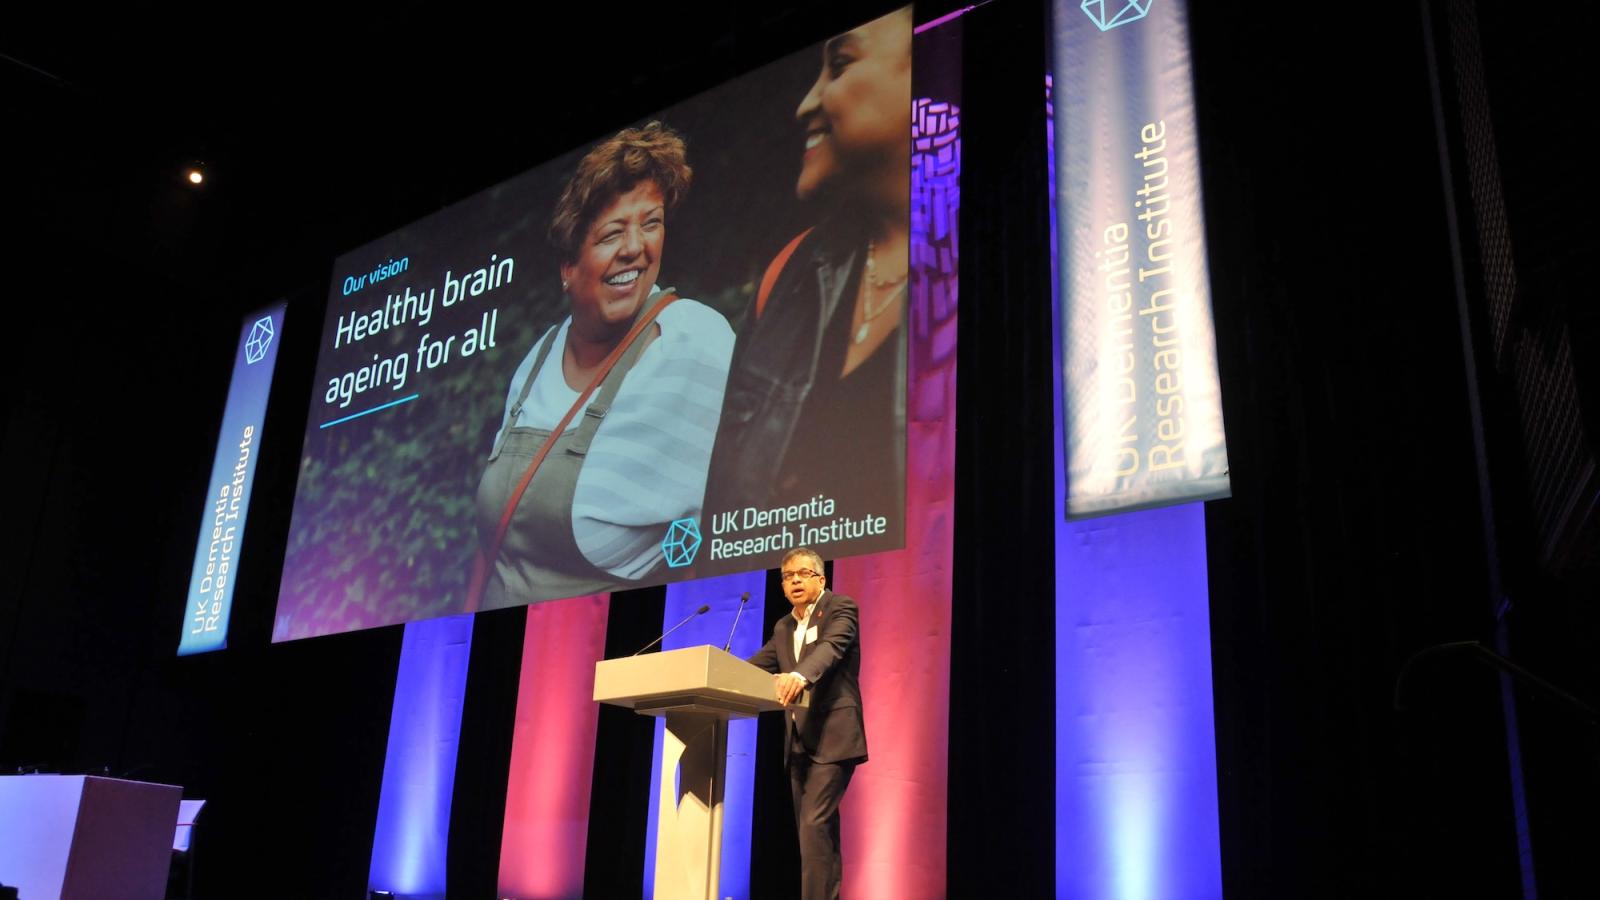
[811,635]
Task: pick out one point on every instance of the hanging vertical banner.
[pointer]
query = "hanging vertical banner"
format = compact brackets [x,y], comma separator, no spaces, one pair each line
[1142,399]
[894,820]
[216,554]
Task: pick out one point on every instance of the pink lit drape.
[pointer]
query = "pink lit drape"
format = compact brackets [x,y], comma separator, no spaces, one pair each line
[894,814]
[552,750]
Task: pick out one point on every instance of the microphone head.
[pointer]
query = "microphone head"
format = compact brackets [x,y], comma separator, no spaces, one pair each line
[744,597]
[704,608]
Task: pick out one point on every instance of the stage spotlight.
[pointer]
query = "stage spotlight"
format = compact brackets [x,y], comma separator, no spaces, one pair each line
[195,175]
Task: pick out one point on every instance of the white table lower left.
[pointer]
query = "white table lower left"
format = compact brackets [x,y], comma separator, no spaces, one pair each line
[76,837]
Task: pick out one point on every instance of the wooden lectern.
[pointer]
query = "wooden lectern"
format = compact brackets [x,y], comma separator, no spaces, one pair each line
[698,689]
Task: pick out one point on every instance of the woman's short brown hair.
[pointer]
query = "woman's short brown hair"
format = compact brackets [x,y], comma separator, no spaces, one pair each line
[652,153]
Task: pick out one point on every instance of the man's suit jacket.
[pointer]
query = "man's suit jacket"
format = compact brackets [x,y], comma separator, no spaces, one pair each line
[831,730]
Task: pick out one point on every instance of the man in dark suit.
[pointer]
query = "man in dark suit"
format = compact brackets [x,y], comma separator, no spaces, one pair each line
[817,648]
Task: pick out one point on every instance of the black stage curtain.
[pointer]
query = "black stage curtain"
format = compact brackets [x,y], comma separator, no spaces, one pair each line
[1002,812]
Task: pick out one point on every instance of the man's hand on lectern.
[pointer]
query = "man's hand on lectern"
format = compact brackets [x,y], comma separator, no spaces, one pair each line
[789,685]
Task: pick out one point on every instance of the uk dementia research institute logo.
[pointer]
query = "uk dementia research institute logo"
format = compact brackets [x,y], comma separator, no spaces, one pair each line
[681,543]
[255,346]
[1108,14]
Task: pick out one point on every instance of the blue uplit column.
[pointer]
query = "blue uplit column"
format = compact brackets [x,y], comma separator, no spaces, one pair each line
[411,840]
[722,595]
[1136,783]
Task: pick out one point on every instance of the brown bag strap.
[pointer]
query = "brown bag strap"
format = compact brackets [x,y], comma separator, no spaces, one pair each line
[485,559]
[769,280]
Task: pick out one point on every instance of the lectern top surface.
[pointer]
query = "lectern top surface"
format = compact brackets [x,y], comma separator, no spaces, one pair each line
[694,679]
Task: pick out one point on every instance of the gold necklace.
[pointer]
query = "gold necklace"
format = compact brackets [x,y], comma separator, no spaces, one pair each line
[874,286]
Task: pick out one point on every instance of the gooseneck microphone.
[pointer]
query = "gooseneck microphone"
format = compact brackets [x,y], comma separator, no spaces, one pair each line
[704,607]
[743,599]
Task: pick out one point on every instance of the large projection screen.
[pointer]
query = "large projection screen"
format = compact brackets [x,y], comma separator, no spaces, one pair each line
[773,246]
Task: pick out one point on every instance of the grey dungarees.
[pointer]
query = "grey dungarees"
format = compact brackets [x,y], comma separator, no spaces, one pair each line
[539,558]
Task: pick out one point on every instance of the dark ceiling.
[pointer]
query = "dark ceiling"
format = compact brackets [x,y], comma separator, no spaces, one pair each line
[320,132]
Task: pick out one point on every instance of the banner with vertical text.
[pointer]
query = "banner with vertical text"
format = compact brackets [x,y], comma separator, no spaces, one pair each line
[216,554]
[1142,397]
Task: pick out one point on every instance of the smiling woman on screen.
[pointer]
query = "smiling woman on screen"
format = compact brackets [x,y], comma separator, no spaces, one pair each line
[816,394]
[609,419]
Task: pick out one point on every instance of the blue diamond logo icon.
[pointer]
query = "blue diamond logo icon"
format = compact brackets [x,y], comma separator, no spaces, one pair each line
[681,543]
[1108,14]
[255,346]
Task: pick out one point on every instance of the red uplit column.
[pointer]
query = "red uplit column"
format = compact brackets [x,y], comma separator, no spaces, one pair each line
[552,750]
[894,819]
